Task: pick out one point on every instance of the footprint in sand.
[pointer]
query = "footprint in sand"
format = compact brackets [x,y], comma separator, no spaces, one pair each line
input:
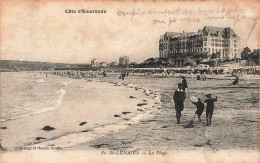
[126,112]
[39,138]
[87,130]
[48,128]
[99,145]
[141,104]
[164,126]
[82,123]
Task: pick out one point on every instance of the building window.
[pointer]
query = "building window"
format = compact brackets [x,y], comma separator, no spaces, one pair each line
[205,43]
[212,40]
[205,49]
[212,50]
[209,49]
[212,44]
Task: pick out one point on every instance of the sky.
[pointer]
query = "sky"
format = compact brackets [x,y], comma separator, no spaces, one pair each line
[43,31]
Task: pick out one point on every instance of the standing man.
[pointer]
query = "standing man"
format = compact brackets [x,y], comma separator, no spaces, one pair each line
[210,107]
[179,98]
[184,83]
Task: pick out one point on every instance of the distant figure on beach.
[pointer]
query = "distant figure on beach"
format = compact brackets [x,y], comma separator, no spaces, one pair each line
[191,75]
[204,76]
[184,83]
[179,98]
[210,107]
[235,82]
[198,77]
[123,74]
[104,74]
[200,108]
[46,75]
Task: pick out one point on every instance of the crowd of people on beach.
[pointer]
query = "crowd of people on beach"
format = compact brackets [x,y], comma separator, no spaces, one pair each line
[77,74]
[180,96]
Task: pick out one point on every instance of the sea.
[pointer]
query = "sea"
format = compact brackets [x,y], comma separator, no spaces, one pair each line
[27,93]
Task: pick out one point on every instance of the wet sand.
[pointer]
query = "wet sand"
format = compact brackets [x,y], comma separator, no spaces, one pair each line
[89,109]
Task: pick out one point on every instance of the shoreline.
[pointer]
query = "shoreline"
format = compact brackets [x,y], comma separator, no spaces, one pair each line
[128,114]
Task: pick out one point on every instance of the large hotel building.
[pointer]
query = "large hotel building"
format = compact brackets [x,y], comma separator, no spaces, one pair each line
[209,40]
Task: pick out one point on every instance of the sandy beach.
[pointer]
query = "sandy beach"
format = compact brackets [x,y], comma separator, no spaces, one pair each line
[235,126]
[137,114]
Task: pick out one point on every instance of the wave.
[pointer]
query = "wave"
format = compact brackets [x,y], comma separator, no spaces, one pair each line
[62,92]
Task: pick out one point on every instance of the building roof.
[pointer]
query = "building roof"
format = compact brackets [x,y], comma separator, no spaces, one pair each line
[219,32]
[172,33]
[206,31]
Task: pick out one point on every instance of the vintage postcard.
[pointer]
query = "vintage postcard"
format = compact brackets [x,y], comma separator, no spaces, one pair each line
[129,81]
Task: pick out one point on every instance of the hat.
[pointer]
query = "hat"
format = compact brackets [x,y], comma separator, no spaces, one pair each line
[193,99]
[208,95]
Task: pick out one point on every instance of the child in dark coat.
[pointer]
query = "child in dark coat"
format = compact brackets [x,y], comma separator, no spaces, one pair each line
[179,98]
[210,107]
[200,108]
